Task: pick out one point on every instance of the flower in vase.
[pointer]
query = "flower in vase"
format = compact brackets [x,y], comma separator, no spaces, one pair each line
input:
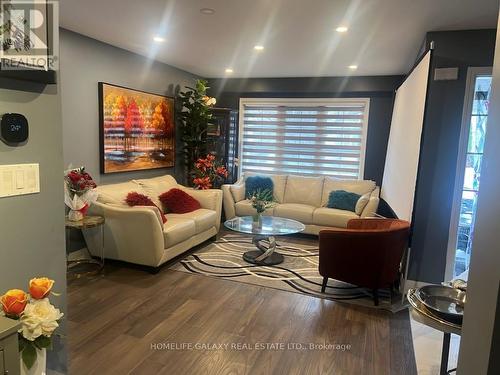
[14,302]
[39,318]
[40,287]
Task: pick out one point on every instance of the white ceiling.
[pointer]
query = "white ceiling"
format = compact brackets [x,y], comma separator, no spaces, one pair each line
[298,35]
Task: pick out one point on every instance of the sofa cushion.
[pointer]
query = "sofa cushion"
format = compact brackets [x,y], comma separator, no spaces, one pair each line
[255,184]
[361,204]
[203,219]
[295,211]
[343,200]
[244,208]
[279,183]
[238,192]
[155,186]
[177,201]
[360,187]
[304,190]
[332,217]
[117,193]
[177,229]
[136,199]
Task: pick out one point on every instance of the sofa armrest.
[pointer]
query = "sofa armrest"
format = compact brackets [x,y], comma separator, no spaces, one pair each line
[211,199]
[371,207]
[131,234]
[229,209]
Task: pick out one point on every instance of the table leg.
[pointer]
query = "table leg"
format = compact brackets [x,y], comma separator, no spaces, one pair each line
[265,256]
[445,353]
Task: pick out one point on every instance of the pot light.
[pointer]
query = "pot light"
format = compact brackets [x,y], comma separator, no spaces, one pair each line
[229,70]
[258,48]
[207,11]
[353,67]
[158,39]
[341,29]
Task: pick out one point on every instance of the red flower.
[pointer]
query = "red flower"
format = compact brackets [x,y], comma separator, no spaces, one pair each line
[203,183]
[222,171]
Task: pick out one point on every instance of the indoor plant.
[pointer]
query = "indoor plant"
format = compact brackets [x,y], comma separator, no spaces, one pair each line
[208,173]
[39,319]
[78,192]
[261,200]
[194,118]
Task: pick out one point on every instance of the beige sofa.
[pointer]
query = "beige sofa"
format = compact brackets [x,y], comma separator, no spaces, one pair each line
[138,235]
[304,199]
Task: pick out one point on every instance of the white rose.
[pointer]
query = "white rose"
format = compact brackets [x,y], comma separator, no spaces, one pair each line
[39,318]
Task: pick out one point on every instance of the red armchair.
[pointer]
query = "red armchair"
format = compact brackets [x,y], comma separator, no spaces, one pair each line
[367,254]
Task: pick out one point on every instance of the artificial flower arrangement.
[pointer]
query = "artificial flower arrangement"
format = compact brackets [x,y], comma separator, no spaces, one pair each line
[79,192]
[38,317]
[209,172]
[261,200]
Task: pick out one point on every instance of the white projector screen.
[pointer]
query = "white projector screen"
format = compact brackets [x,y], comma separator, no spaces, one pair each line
[403,149]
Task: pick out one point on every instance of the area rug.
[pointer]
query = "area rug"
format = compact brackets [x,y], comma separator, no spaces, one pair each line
[298,273]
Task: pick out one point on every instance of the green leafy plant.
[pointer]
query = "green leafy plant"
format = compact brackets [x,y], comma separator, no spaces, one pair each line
[194,118]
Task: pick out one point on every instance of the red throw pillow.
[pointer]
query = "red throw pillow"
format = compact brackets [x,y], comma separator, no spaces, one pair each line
[178,201]
[137,199]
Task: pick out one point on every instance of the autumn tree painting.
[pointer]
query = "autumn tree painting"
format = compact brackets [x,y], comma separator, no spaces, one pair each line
[137,129]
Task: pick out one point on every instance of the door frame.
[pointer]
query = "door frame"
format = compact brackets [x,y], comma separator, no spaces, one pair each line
[472,74]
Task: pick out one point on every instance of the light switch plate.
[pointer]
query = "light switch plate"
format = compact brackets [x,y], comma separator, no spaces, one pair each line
[19,179]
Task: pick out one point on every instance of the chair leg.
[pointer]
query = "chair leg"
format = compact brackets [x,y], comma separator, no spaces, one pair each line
[323,286]
[375,297]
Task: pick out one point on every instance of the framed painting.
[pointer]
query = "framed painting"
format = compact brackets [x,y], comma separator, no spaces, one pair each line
[137,129]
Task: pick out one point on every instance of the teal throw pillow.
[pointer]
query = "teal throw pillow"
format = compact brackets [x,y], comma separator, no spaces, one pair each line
[343,200]
[258,183]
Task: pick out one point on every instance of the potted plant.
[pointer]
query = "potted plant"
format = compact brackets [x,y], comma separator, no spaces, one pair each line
[78,192]
[209,173]
[195,117]
[39,319]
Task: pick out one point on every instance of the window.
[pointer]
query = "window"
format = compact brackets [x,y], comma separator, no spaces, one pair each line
[304,136]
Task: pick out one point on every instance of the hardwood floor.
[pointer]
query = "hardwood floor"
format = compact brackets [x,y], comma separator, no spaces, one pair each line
[123,323]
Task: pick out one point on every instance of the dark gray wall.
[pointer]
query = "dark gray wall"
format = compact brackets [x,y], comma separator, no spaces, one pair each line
[84,63]
[32,226]
[439,149]
[379,89]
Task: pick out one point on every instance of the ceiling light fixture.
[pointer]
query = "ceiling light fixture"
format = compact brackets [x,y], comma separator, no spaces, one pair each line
[258,48]
[158,39]
[353,67]
[207,11]
[229,70]
[341,29]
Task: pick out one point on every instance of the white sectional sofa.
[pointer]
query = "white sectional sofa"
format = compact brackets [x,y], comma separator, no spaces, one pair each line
[138,235]
[304,199]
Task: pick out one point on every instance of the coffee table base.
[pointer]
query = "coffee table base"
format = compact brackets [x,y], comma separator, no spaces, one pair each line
[264,256]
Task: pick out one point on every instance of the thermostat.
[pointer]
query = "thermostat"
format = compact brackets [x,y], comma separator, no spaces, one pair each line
[13,128]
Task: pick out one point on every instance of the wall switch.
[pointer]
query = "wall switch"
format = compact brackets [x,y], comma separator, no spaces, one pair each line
[445,74]
[19,179]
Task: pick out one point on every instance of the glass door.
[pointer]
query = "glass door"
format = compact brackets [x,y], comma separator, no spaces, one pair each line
[469,169]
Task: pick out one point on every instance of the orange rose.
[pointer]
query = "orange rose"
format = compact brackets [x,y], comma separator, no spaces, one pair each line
[14,302]
[40,287]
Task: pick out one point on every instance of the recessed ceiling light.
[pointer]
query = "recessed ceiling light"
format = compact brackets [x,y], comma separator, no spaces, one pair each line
[158,39]
[229,70]
[341,29]
[207,11]
[258,48]
[353,67]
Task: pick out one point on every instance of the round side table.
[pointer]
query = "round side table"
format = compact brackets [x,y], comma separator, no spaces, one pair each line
[85,266]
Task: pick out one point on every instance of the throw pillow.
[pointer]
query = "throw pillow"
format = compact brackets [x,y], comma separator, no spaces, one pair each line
[177,201]
[343,200]
[361,204]
[256,183]
[136,199]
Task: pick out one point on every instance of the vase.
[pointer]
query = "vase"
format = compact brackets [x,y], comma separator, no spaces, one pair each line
[40,365]
[257,220]
[75,215]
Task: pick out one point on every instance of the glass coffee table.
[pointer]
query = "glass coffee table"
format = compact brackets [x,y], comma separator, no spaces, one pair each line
[263,238]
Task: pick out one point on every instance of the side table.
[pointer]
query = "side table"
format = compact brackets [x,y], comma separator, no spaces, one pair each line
[90,265]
